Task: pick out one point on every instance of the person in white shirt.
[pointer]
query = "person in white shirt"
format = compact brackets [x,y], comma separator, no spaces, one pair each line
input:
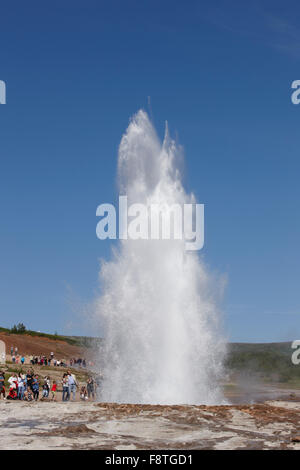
[13,379]
[21,386]
[72,385]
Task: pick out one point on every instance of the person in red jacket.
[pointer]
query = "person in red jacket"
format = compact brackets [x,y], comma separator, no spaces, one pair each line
[53,390]
[12,394]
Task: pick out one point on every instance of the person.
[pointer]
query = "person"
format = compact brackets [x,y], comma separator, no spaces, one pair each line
[13,381]
[35,387]
[53,390]
[45,389]
[47,378]
[25,382]
[11,350]
[72,384]
[29,378]
[65,386]
[28,395]
[12,394]
[83,393]
[21,387]
[22,360]
[90,387]
[2,384]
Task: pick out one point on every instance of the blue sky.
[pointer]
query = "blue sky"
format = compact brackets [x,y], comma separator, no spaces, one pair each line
[220,73]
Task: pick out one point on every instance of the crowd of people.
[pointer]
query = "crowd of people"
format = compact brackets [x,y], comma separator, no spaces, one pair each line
[30,386]
[44,360]
[27,386]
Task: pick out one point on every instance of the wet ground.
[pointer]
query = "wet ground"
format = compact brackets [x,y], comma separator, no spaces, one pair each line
[266,424]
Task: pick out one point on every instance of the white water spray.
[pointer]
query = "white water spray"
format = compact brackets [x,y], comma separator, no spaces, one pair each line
[162,341]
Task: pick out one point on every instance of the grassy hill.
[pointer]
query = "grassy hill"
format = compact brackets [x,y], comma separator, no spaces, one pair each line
[270,361]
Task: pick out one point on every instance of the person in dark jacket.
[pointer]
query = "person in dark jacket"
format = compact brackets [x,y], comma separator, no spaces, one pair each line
[35,387]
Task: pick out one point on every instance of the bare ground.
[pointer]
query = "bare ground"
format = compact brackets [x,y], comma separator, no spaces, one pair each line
[39,345]
[86,425]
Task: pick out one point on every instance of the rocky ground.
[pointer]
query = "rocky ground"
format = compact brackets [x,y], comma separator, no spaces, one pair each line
[274,424]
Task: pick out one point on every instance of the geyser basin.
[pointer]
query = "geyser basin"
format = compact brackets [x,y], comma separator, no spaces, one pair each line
[162,338]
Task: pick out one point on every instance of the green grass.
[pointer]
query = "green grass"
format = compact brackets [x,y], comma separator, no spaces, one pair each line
[269,361]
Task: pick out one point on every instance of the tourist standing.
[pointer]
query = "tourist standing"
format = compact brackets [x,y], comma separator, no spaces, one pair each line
[45,388]
[21,386]
[65,386]
[72,384]
[53,390]
[91,387]
[29,377]
[35,387]
[13,381]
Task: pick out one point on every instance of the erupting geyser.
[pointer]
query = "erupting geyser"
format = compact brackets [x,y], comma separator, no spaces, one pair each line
[162,339]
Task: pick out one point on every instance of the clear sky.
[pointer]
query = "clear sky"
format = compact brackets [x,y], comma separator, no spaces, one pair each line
[220,72]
